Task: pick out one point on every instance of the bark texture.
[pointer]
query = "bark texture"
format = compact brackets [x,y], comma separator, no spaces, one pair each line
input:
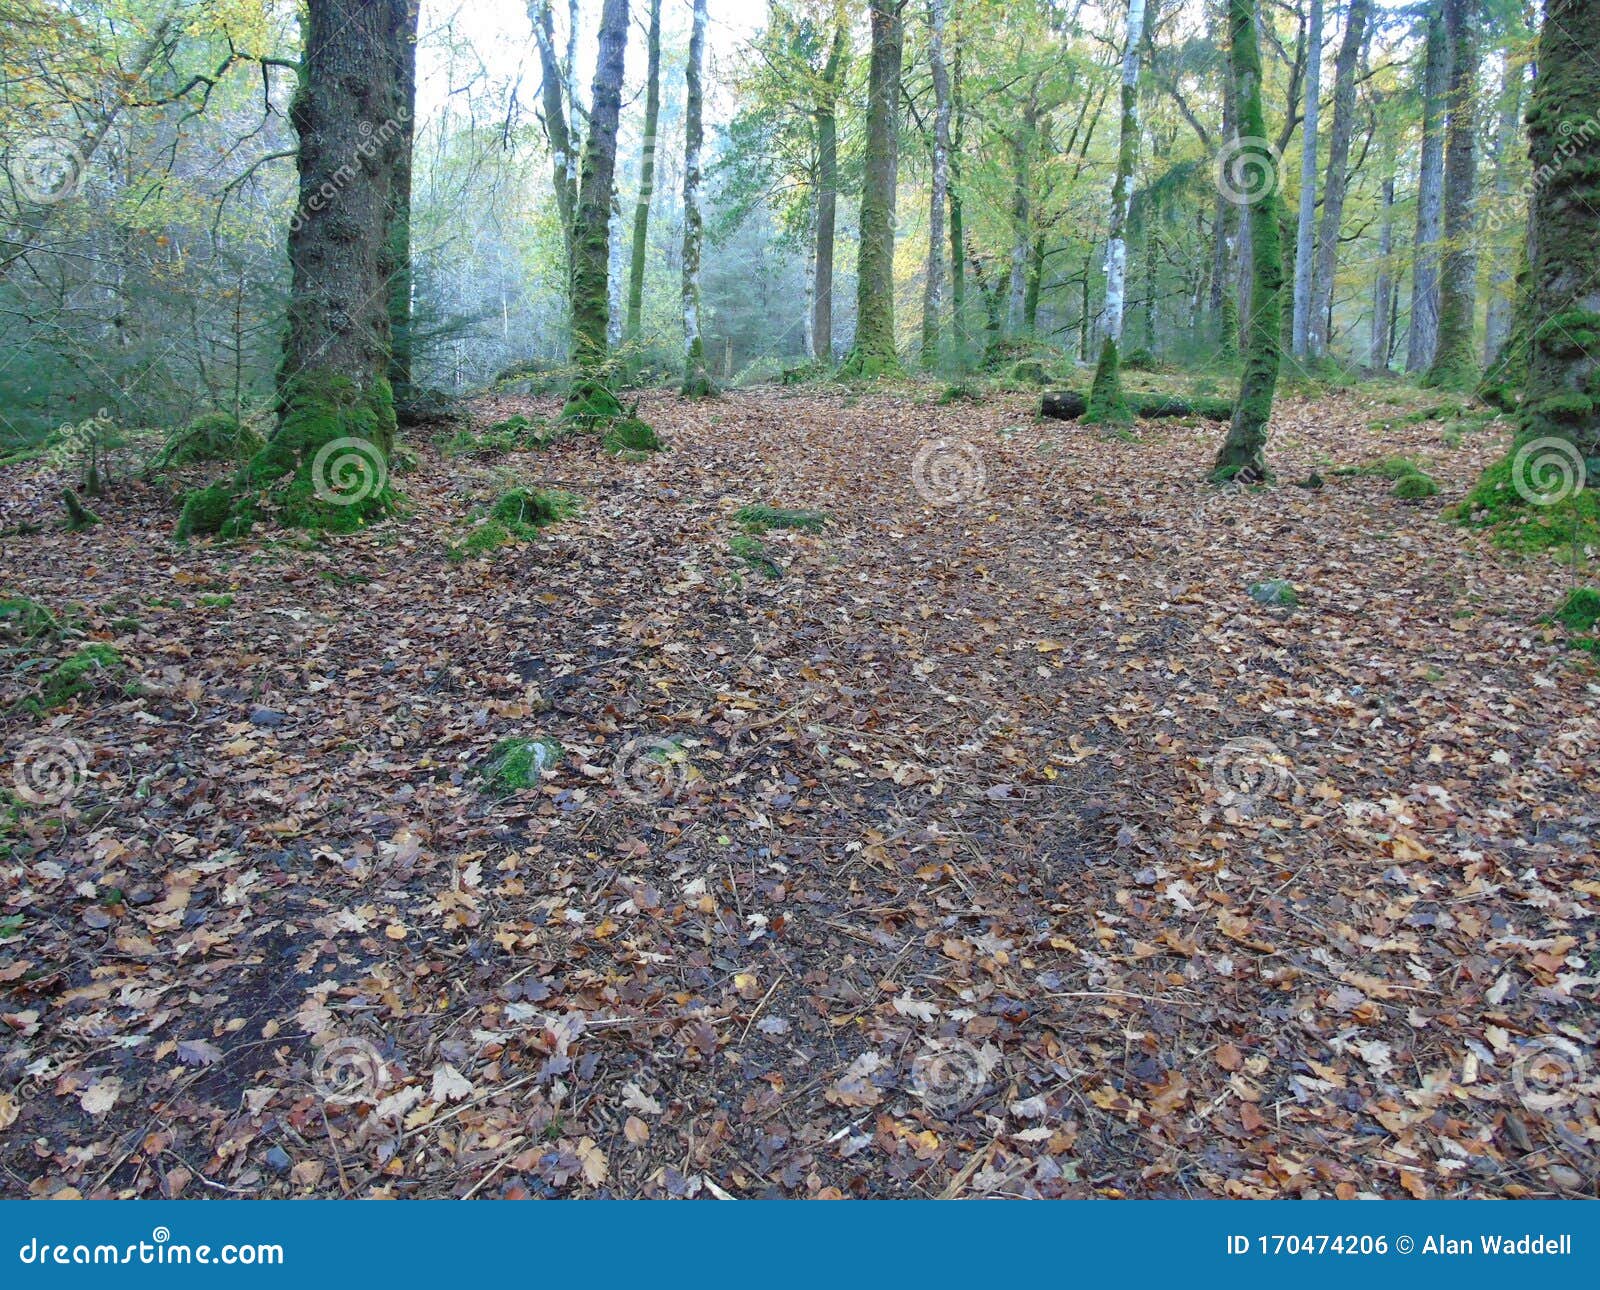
[1336,180]
[647,175]
[1455,363]
[1423,331]
[696,381]
[1305,225]
[591,242]
[933,291]
[825,115]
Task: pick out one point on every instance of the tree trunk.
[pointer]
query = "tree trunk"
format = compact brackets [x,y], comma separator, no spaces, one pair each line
[1562,395]
[1383,289]
[557,132]
[1030,305]
[647,177]
[696,381]
[1497,324]
[958,256]
[873,353]
[1424,329]
[1021,208]
[1305,226]
[326,464]
[399,208]
[1243,452]
[1455,364]
[1336,182]
[827,196]
[933,293]
[591,242]
[1106,405]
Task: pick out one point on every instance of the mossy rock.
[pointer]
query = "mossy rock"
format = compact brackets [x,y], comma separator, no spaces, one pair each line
[804,374]
[590,404]
[515,764]
[1276,592]
[1495,504]
[211,436]
[629,434]
[758,519]
[1414,487]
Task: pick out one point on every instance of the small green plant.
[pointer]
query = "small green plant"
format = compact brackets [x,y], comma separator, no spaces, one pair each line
[758,519]
[515,433]
[753,552]
[216,601]
[1580,612]
[520,763]
[1414,487]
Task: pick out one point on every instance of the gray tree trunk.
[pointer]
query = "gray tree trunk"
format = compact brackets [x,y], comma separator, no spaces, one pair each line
[696,381]
[1336,181]
[933,293]
[1305,227]
[1423,333]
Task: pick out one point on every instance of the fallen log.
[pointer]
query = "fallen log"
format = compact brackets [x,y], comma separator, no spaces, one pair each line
[1069,405]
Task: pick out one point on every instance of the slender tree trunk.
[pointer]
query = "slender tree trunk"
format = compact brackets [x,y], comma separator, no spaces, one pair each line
[827,195]
[557,132]
[958,255]
[1243,452]
[1336,181]
[1383,294]
[696,381]
[1455,364]
[647,177]
[1497,324]
[399,208]
[591,268]
[1152,250]
[1021,208]
[1030,305]
[933,294]
[1561,397]
[873,353]
[1305,227]
[1106,404]
[1423,333]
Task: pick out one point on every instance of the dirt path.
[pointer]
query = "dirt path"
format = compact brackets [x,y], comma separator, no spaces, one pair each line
[1001,847]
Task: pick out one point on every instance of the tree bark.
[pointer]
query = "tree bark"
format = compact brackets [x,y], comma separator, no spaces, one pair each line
[557,132]
[1423,332]
[1455,364]
[1497,323]
[933,292]
[1243,452]
[591,243]
[1336,181]
[1383,288]
[958,255]
[1561,397]
[696,381]
[404,53]
[647,176]
[873,353]
[1305,227]
[827,195]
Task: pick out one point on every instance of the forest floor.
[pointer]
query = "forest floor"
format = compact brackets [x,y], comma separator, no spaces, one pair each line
[1006,848]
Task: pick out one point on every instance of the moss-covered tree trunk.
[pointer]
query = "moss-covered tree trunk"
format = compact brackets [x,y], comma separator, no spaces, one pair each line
[1383,285]
[1497,318]
[591,240]
[1561,397]
[1423,333]
[647,176]
[1106,404]
[1335,181]
[933,291]
[958,237]
[404,54]
[873,351]
[558,133]
[1455,364]
[696,381]
[326,464]
[826,119]
[1243,452]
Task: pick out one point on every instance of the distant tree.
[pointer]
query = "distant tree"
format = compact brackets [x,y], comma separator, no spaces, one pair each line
[647,174]
[1423,332]
[1455,364]
[696,381]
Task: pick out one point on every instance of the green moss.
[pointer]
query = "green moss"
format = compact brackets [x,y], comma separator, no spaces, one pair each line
[1107,406]
[212,436]
[514,434]
[758,519]
[959,393]
[1276,592]
[206,511]
[1141,360]
[1028,371]
[1414,487]
[223,601]
[515,764]
[93,669]
[516,515]
[1580,612]
[631,435]
[26,620]
[79,516]
[1496,505]
[590,404]
[753,552]
[1394,468]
